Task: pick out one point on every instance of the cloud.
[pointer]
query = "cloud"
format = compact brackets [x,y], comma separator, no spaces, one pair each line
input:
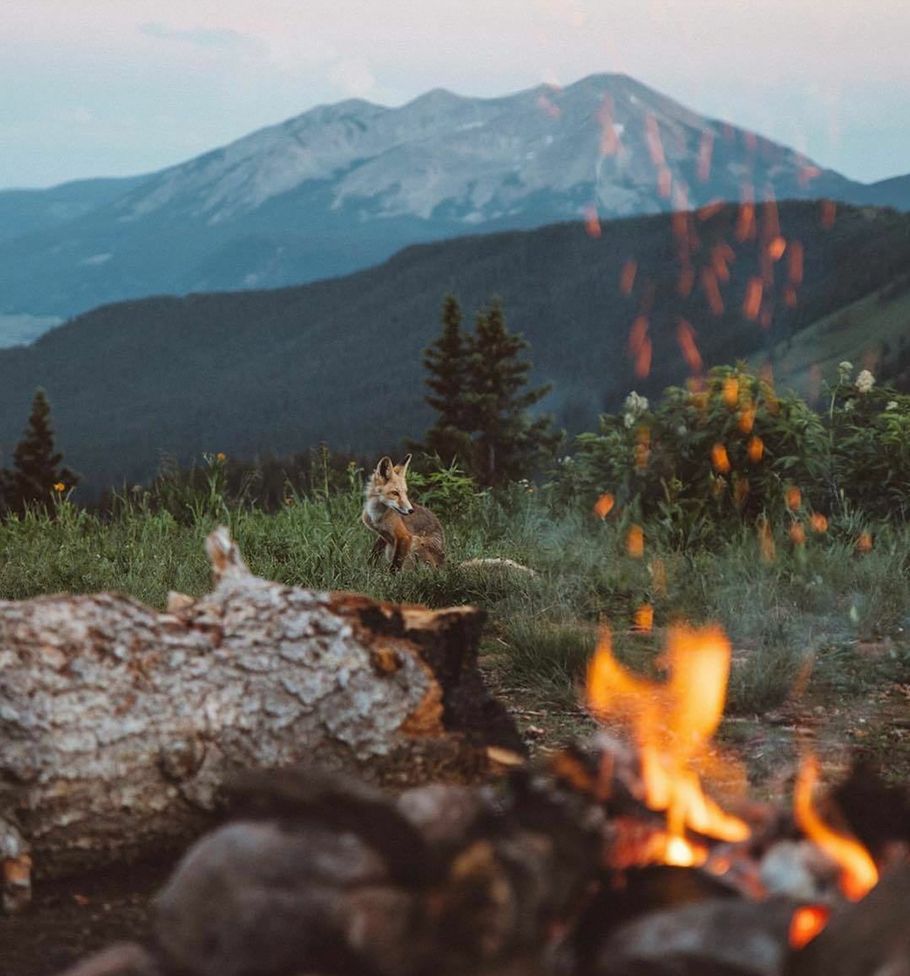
[207,37]
[353,76]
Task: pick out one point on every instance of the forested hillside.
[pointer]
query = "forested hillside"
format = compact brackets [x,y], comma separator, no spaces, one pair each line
[339,360]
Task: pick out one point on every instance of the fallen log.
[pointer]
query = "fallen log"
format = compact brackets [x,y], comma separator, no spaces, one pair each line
[119,724]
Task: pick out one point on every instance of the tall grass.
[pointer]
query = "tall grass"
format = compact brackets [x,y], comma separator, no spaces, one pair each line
[813,601]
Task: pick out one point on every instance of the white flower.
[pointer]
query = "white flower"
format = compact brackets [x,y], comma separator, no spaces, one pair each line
[865,381]
[891,405]
[844,370]
[635,406]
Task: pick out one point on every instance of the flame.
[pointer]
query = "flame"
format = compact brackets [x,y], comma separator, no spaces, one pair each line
[712,292]
[807,922]
[592,222]
[685,336]
[858,873]
[776,248]
[752,301]
[719,459]
[672,724]
[604,505]
[644,618]
[827,213]
[755,449]
[627,276]
[793,497]
[640,346]
[635,542]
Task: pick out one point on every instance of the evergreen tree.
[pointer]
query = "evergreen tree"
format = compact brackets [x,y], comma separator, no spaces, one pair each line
[447,361]
[36,474]
[508,443]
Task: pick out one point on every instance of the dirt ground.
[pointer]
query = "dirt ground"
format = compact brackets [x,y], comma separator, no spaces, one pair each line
[69,919]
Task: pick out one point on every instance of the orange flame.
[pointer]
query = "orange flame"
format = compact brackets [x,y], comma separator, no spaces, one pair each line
[858,873]
[640,346]
[672,724]
[635,542]
[807,923]
[644,618]
[627,276]
[685,336]
[755,449]
[793,497]
[604,505]
[776,248]
[827,213]
[719,459]
[752,301]
[592,222]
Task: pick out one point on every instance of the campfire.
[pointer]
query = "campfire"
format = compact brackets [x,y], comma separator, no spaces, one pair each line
[612,859]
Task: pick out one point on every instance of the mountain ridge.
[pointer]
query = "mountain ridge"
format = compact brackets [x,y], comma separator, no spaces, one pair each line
[343,186]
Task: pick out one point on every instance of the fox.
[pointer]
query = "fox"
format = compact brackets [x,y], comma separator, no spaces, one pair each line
[408,534]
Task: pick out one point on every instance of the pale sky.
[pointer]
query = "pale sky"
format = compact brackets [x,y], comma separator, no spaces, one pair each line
[118,87]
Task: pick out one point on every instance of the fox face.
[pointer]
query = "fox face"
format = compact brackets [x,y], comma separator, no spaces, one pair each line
[388,486]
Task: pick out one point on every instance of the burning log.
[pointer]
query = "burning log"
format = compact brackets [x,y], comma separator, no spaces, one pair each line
[119,724]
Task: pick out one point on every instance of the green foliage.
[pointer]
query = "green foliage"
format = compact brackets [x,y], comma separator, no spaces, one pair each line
[870,445]
[704,458]
[482,399]
[444,488]
[37,480]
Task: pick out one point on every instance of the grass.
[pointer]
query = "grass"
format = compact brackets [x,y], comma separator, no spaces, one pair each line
[810,604]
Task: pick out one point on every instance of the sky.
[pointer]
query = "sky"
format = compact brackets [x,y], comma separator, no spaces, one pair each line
[121,87]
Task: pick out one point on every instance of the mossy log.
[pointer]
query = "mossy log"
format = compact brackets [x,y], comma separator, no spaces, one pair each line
[119,723]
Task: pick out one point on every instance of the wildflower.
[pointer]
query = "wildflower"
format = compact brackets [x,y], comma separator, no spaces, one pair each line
[221,457]
[844,370]
[818,522]
[633,408]
[59,487]
[891,405]
[865,381]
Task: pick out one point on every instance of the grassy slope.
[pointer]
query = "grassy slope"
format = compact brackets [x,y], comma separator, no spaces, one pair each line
[854,333]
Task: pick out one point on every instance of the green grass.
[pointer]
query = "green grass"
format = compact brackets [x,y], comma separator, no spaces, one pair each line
[811,604]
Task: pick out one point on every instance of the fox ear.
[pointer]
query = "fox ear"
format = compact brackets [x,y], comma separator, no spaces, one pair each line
[403,467]
[384,468]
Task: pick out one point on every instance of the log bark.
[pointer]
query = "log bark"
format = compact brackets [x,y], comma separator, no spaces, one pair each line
[119,724]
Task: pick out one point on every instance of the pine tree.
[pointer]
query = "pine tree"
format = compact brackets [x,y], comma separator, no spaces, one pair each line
[447,362]
[508,443]
[36,476]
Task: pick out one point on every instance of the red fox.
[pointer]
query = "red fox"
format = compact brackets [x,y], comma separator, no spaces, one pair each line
[408,533]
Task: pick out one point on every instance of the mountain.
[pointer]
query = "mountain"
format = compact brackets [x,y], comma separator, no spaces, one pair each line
[894,192]
[23,212]
[340,360]
[344,186]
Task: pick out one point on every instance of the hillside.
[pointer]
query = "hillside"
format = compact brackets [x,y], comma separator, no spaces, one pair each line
[872,333]
[344,186]
[339,360]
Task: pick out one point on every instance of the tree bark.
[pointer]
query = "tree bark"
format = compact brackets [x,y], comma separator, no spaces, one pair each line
[119,724]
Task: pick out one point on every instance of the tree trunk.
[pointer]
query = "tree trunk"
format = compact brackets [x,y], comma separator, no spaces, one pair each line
[119,724]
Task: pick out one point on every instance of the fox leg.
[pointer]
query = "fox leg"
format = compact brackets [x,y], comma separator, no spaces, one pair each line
[400,553]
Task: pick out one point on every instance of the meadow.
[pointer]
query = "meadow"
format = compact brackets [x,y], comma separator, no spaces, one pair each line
[820,625]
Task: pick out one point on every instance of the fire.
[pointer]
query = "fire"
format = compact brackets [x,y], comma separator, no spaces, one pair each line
[672,723]
[592,222]
[776,248]
[644,618]
[627,276]
[640,346]
[635,542]
[858,873]
[752,301]
[712,291]
[828,211]
[806,924]
[685,336]
[720,461]
[604,505]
